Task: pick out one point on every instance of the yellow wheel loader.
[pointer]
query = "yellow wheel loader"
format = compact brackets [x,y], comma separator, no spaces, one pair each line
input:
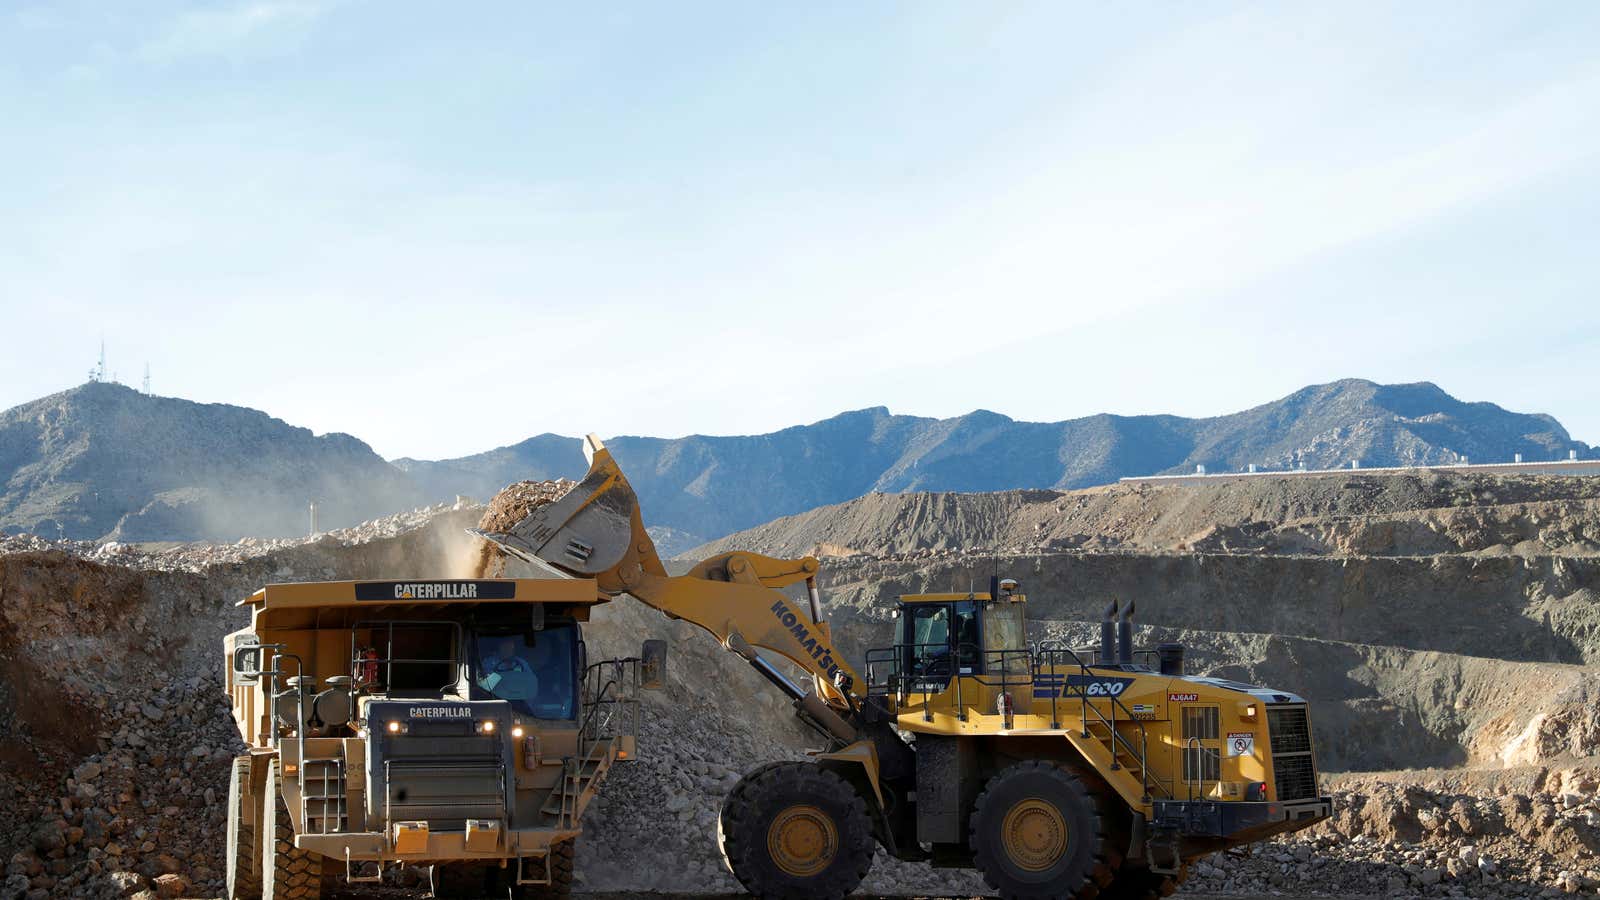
[1055,771]
[451,725]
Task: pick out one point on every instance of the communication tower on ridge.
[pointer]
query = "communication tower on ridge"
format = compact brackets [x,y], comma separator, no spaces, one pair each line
[98,373]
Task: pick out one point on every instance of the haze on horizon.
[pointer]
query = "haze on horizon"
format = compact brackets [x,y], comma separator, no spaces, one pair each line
[444,232]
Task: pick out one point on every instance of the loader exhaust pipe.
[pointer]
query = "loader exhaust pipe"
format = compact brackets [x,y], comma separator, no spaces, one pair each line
[1125,636]
[1108,635]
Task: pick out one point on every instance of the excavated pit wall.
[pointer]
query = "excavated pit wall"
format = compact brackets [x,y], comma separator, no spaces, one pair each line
[1536,609]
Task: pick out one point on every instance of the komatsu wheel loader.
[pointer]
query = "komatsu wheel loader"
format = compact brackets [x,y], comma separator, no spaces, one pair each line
[1056,772]
[452,725]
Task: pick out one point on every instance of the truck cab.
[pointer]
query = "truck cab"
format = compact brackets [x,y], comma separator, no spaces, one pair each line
[453,725]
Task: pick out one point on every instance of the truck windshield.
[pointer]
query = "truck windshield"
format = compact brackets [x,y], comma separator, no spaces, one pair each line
[535,670]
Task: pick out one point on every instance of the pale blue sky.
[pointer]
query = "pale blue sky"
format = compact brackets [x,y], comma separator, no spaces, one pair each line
[444,227]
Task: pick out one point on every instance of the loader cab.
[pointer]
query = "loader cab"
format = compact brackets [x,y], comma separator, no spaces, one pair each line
[948,635]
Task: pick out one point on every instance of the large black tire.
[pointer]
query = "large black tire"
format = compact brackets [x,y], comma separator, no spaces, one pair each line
[287,872]
[243,874]
[793,831]
[560,886]
[1139,883]
[1038,832]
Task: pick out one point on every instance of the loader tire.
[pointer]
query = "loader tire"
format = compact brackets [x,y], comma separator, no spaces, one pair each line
[1037,831]
[243,874]
[287,872]
[793,831]
[1139,883]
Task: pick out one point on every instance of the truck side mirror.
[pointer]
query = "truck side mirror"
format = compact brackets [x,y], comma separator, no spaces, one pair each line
[653,665]
[247,659]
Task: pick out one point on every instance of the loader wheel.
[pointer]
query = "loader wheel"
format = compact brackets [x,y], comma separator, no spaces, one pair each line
[287,872]
[793,831]
[244,878]
[1139,883]
[1037,832]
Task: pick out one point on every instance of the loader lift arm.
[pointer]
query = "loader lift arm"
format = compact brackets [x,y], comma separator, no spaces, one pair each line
[596,531]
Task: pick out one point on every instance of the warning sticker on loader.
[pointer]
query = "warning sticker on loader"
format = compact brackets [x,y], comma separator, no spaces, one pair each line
[1241,743]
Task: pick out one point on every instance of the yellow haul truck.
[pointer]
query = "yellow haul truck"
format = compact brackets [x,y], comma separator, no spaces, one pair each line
[1055,772]
[454,725]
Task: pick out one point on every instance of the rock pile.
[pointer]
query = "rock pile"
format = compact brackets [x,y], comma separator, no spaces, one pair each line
[199,556]
[1396,839]
[513,504]
[142,814]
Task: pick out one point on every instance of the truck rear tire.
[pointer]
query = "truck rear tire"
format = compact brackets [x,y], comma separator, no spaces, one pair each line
[793,831]
[243,874]
[287,872]
[1038,832]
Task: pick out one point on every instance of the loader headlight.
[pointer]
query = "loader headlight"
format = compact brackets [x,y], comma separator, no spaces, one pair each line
[516,731]
[396,727]
[486,726]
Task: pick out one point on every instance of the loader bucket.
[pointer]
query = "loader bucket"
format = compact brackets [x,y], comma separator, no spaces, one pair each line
[589,531]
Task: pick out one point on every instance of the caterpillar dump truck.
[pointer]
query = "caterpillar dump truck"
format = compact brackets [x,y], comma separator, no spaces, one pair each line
[454,725]
[1055,771]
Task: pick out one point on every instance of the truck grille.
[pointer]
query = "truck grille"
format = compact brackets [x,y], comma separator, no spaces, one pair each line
[1293,768]
[445,795]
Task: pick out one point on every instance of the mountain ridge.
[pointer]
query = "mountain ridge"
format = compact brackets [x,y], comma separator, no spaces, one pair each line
[709,485]
[105,462]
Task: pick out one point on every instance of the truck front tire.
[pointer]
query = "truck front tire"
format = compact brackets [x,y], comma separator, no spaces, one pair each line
[287,872]
[793,831]
[243,873]
[561,867]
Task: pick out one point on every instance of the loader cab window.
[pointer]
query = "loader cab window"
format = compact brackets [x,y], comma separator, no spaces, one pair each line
[1005,637]
[940,640]
[536,671]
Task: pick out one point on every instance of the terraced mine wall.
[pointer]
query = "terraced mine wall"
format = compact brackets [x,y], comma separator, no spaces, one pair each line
[1541,609]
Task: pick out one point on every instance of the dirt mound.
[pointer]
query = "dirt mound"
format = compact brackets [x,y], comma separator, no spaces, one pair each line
[514,503]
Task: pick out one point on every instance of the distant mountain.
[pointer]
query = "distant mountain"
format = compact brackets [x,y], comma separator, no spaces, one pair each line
[105,461]
[711,486]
